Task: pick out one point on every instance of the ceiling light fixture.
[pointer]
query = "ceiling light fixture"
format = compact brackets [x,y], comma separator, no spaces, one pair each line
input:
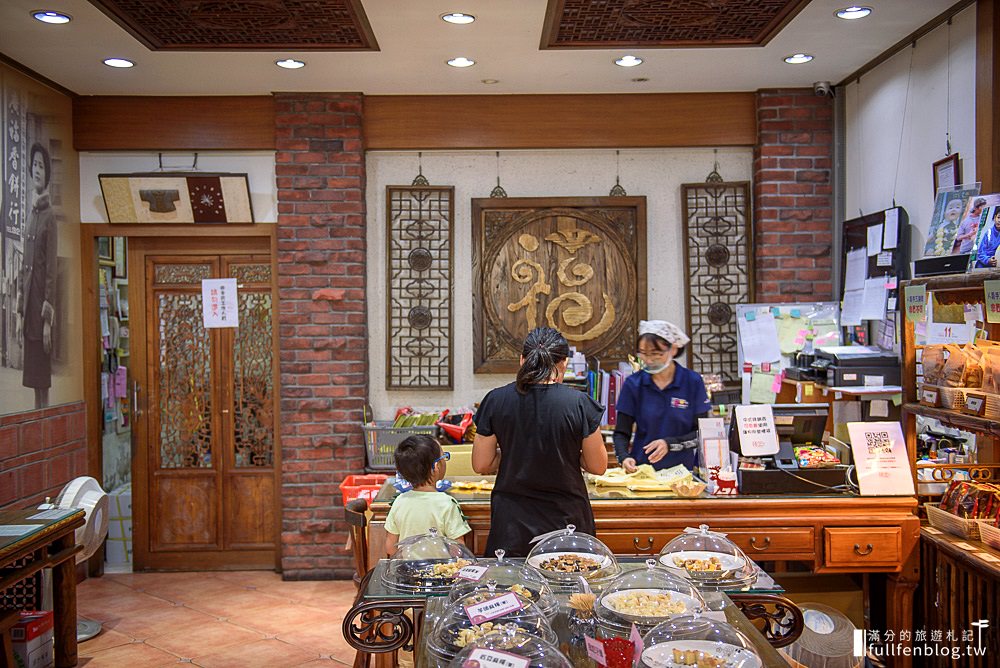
[798,58]
[458,18]
[853,12]
[640,79]
[120,63]
[628,61]
[55,18]
[290,64]
[461,61]
[490,81]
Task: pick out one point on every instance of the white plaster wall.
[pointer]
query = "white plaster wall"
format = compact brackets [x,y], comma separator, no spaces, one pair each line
[258,165]
[655,174]
[890,154]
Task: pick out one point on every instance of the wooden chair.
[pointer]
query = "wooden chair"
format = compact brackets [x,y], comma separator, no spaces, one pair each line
[8,618]
[354,513]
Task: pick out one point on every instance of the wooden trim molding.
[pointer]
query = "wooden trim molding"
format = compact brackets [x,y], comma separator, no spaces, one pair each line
[559,121]
[155,123]
[988,95]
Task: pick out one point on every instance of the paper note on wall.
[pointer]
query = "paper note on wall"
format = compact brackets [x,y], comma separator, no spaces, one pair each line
[761,389]
[873,304]
[891,228]
[857,270]
[874,239]
[759,338]
[850,312]
[789,339]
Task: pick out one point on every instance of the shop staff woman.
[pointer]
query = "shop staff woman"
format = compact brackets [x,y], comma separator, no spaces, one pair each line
[663,401]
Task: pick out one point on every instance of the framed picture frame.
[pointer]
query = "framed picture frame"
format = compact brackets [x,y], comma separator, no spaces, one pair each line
[105,251]
[947,172]
[120,260]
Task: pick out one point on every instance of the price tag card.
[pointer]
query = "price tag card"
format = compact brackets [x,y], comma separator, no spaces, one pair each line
[992,289]
[932,530]
[880,458]
[989,557]
[495,607]
[965,546]
[473,573]
[916,302]
[487,658]
[755,425]
[595,650]
[637,644]
[929,397]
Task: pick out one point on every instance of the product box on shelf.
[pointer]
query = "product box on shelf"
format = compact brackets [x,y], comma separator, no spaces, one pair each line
[32,637]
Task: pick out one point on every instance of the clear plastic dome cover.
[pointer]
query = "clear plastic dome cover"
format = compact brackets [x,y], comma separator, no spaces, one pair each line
[697,641]
[504,648]
[470,619]
[428,562]
[567,555]
[702,554]
[501,575]
[646,597]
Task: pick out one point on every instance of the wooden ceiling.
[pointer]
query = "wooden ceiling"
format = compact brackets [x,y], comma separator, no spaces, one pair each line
[589,24]
[244,25]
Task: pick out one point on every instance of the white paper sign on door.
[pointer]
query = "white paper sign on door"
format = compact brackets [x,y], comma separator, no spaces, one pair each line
[219,303]
[758,436]
[880,458]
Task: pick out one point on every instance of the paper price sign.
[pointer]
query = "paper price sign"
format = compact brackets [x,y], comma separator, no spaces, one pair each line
[495,607]
[491,658]
[916,302]
[755,425]
[636,638]
[595,650]
[474,573]
[992,289]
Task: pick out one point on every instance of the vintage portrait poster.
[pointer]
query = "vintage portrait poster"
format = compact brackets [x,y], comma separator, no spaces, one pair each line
[40,346]
[949,206]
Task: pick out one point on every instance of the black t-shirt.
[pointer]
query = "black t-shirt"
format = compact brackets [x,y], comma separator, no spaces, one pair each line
[539,487]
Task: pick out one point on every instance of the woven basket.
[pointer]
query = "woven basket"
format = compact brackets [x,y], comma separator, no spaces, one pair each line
[952,397]
[993,406]
[989,534]
[953,524]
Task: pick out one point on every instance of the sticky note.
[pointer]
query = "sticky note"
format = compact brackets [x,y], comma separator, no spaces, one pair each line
[751,315]
[796,313]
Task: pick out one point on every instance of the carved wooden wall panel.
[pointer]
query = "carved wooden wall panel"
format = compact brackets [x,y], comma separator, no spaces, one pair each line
[577,264]
[719,265]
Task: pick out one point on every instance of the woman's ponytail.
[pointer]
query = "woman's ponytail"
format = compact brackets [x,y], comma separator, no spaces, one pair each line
[544,349]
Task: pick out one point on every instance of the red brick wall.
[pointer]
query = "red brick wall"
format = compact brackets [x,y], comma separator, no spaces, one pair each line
[320,170]
[40,451]
[793,196]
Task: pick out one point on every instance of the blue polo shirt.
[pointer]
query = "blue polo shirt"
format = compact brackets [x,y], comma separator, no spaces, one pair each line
[666,413]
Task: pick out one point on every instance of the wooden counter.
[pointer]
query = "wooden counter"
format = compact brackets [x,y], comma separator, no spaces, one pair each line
[830,534]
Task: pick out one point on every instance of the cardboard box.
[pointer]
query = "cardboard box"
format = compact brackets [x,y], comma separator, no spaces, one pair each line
[118,548]
[32,638]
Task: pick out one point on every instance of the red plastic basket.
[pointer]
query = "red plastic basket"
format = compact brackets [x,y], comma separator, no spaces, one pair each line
[362,486]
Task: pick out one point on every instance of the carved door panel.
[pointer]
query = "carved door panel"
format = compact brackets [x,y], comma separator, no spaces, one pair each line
[205,493]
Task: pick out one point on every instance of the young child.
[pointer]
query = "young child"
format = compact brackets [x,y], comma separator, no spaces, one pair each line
[420,461]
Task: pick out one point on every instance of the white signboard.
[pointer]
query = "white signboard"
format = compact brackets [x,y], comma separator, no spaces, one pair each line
[219,303]
[880,458]
[755,425]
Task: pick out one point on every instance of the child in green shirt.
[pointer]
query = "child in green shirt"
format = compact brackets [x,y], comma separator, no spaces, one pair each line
[421,462]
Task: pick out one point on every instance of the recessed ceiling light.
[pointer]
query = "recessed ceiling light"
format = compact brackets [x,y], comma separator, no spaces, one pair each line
[798,58]
[55,18]
[640,79]
[490,81]
[461,61]
[628,61]
[854,12]
[458,18]
[290,64]
[118,62]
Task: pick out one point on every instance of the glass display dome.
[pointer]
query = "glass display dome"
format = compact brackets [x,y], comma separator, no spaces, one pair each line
[492,648]
[427,563]
[708,558]
[501,575]
[455,629]
[645,597]
[697,641]
[568,555]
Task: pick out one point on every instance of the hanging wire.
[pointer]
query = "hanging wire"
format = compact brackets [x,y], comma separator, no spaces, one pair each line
[902,123]
[947,103]
[420,179]
[860,138]
[714,176]
[498,192]
[617,190]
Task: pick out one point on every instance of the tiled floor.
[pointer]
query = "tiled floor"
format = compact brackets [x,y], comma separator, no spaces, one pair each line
[214,620]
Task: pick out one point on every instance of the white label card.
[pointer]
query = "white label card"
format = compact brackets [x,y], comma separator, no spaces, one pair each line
[637,644]
[932,530]
[219,302]
[495,607]
[490,658]
[595,650]
[881,459]
[474,573]
[988,557]
[930,396]
[974,403]
[758,436]
[966,546]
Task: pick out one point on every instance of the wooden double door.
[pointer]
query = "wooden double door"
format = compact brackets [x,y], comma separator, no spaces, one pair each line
[205,466]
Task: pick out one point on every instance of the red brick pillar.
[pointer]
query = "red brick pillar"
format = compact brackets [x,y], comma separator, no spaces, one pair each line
[320,170]
[793,196]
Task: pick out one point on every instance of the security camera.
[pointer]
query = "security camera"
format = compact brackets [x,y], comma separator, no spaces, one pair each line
[824,89]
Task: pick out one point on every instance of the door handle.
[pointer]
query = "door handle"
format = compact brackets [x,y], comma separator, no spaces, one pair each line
[136,409]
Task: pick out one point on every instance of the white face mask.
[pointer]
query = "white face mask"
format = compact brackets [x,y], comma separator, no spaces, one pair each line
[654,369]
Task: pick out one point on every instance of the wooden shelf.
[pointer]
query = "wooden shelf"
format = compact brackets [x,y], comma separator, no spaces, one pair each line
[956,419]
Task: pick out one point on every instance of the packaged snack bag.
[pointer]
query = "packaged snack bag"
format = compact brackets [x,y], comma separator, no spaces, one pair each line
[954,367]
[933,360]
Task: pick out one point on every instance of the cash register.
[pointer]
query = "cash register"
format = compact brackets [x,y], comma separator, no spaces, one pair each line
[796,425]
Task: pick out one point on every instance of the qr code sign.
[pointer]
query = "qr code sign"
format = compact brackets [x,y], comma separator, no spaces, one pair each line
[878,442]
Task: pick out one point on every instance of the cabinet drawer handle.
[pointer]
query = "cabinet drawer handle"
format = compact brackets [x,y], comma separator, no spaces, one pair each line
[753,543]
[865,552]
[649,544]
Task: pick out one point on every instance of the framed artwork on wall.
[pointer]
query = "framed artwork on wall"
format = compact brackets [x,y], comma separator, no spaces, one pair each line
[947,172]
[105,251]
[118,251]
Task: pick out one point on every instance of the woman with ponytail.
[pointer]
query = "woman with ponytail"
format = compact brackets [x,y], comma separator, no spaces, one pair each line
[536,434]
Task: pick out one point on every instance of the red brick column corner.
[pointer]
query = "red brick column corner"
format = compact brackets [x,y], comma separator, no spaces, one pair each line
[320,170]
[793,196]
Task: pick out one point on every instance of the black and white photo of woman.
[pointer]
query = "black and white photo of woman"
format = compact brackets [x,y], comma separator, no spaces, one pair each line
[36,298]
